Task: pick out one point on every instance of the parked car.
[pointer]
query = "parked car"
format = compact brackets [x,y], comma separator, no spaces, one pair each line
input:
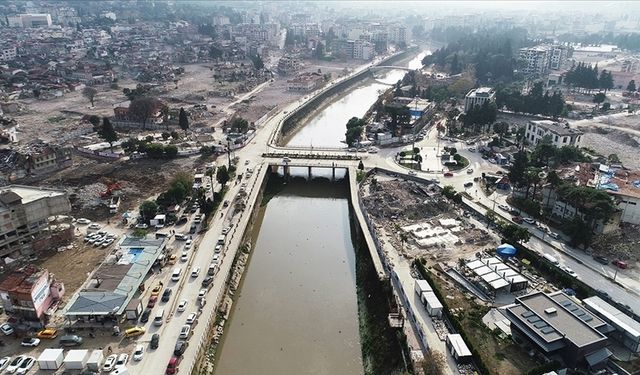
[529,220]
[620,264]
[172,367]
[554,235]
[468,184]
[47,333]
[110,363]
[191,318]
[122,360]
[7,329]
[207,281]
[184,331]
[601,259]
[155,341]
[504,207]
[26,365]
[83,221]
[569,271]
[166,295]
[134,331]
[180,347]
[202,293]
[4,362]
[145,316]
[17,361]
[95,226]
[182,305]
[517,219]
[138,353]
[30,342]
[470,170]
[152,302]
[448,174]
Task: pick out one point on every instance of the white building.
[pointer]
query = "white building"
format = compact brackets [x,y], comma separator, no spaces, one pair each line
[30,20]
[8,53]
[561,134]
[362,50]
[398,35]
[541,58]
[477,97]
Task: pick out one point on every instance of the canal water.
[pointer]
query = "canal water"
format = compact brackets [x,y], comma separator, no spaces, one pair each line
[297,312]
[327,128]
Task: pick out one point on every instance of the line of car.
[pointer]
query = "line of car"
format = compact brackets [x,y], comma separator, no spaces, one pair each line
[100,238]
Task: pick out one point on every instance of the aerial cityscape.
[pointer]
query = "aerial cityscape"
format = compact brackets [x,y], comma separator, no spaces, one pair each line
[319,187]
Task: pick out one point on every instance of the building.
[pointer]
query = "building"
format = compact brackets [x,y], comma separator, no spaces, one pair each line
[491,274]
[458,348]
[305,82]
[30,20]
[8,53]
[624,186]
[477,97]
[288,65]
[29,292]
[24,218]
[398,35]
[623,328]
[109,290]
[558,56]
[539,59]
[560,134]
[557,326]
[362,50]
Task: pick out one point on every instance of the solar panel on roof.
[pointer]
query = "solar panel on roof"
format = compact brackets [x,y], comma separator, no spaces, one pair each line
[540,324]
[533,319]
[586,318]
[572,308]
[565,303]
[579,312]
[527,314]
[547,330]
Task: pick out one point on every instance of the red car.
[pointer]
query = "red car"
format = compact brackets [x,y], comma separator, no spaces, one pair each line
[448,174]
[620,264]
[517,219]
[152,302]
[172,367]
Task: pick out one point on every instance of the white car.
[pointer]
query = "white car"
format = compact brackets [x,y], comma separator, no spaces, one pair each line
[202,293]
[216,258]
[412,173]
[107,242]
[26,365]
[138,353]
[30,342]
[110,363]
[182,306]
[554,235]
[187,246]
[7,329]
[184,331]
[470,170]
[83,221]
[95,226]
[122,360]
[4,362]
[195,271]
[184,257]
[569,271]
[191,318]
[17,361]
[504,207]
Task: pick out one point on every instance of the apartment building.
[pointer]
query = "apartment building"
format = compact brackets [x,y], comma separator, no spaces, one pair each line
[29,292]
[561,134]
[539,59]
[30,20]
[8,53]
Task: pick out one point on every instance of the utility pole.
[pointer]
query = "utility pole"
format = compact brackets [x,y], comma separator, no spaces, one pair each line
[229,151]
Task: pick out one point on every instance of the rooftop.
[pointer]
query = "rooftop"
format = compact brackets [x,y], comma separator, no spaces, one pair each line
[613,315]
[26,193]
[555,316]
[556,127]
[480,92]
[618,181]
[114,283]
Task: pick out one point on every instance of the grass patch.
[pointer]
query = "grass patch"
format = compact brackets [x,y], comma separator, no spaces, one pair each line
[462,163]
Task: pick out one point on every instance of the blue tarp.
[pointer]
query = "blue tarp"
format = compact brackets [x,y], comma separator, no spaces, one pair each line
[506,250]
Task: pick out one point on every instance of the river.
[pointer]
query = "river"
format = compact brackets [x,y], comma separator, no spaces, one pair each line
[327,128]
[297,312]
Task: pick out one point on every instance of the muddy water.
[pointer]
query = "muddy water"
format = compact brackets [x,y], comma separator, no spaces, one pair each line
[327,128]
[297,312]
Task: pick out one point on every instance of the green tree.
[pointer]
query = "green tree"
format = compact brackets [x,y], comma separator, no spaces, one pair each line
[222,175]
[148,210]
[143,108]
[631,87]
[501,128]
[90,93]
[355,126]
[518,168]
[599,98]
[183,120]
[170,151]
[107,133]
[165,136]
[515,233]
[239,125]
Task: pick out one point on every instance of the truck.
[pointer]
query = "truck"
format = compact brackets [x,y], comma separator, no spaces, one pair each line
[551,258]
[95,360]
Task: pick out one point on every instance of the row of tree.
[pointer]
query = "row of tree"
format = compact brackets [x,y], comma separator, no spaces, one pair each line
[536,102]
[479,116]
[585,77]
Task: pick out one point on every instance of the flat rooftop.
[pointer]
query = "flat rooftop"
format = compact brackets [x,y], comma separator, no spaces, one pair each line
[614,316]
[556,127]
[482,92]
[114,283]
[29,193]
[555,316]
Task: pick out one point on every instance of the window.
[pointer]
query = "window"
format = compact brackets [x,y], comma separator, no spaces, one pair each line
[564,139]
[556,138]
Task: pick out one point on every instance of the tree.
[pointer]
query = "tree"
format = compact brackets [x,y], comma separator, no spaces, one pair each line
[518,168]
[606,106]
[631,87]
[599,98]
[515,233]
[222,175]
[148,210]
[107,133]
[143,108]
[501,128]
[355,126]
[89,93]
[94,120]
[183,120]
[239,125]
[360,165]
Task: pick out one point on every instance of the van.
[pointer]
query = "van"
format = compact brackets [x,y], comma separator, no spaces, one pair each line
[159,318]
[551,258]
[71,340]
[213,269]
[175,276]
[221,239]
[181,237]
[163,235]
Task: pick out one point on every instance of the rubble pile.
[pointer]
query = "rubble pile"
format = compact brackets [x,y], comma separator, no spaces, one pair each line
[394,199]
[619,244]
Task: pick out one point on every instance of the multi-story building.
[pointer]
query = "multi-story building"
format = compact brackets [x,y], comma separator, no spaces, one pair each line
[555,324]
[305,82]
[477,97]
[539,59]
[362,50]
[24,217]
[8,53]
[398,35]
[560,134]
[29,292]
[288,65]
[30,20]
[557,56]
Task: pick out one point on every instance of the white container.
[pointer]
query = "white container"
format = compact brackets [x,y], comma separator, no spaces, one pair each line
[76,359]
[95,360]
[51,359]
